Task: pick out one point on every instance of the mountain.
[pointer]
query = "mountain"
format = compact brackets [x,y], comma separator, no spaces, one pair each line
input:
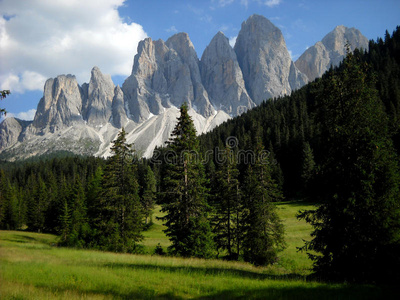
[317,59]
[265,60]
[226,82]
[223,78]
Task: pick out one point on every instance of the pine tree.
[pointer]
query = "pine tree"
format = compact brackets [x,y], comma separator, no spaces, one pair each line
[119,219]
[185,195]
[79,228]
[264,232]
[149,194]
[37,206]
[308,166]
[228,206]
[357,228]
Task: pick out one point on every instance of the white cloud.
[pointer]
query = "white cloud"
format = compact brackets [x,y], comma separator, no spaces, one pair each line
[245,3]
[172,29]
[232,41]
[223,3]
[25,115]
[45,38]
[272,3]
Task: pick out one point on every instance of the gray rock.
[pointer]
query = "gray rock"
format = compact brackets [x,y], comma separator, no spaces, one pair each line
[97,103]
[222,77]
[165,74]
[10,130]
[264,59]
[119,118]
[60,106]
[316,60]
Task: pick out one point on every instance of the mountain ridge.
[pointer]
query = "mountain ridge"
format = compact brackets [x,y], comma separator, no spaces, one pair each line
[224,83]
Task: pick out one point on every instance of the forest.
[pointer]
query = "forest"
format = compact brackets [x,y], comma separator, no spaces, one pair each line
[335,142]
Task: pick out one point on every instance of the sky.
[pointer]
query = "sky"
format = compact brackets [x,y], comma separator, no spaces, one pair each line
[40,39]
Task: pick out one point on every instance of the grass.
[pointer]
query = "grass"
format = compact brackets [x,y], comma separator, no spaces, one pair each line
[31,268]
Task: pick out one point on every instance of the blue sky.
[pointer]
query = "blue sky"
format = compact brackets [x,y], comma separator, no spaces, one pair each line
[40,39]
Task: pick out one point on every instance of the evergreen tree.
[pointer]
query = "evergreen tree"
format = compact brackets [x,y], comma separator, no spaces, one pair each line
[149,194]
[184,199]
[308,168]
[9,208]
[119,218]
[74,216]
[264,233]
[37,206]
[227,204]
[357,228]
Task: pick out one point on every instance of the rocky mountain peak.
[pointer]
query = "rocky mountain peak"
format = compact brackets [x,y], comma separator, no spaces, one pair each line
[331,50]
[100,93]
[264,59]
[182,44]
[223,78]
[61,104]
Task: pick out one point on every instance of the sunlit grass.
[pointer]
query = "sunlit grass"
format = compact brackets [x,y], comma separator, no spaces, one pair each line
[31,267]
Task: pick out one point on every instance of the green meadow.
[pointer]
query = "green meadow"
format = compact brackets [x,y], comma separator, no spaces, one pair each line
[32,267]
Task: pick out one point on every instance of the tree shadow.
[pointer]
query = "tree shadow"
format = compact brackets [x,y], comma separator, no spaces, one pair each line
[309,293]
[207,271]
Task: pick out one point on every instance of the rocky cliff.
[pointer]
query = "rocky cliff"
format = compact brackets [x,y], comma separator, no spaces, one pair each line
[223,78]
[267,68]
[224,83]
[317,59]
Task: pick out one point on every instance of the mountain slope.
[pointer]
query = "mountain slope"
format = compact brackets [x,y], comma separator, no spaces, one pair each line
[317,59]
[226,82]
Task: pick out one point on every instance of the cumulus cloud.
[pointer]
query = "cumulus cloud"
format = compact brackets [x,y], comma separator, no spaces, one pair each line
[272,3]
[232,41]
[44,38]
[25,115]
[172,29]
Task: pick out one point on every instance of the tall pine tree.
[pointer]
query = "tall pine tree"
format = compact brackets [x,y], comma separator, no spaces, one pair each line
[357,228]
[119,218]
[227,201]
[264,232]
[184,199]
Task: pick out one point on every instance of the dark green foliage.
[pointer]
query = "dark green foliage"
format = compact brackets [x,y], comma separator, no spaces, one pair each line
[3,94]
[184,198]
[8,204]
[227,203]
[308,168]
[118,222]
[357,227]
[149,194]
[159,250]
[264,233]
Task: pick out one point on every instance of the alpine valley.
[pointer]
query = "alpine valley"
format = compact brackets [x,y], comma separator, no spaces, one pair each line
[224,83]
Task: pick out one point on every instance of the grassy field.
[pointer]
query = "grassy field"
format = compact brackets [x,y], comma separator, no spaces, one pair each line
[32,268]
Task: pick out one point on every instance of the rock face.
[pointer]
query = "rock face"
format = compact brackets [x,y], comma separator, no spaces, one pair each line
[225,83]
[317,59]
[165,74]
[97,104]
[119,117]
[60,106]
[10,130]
[223,78]
[264,60]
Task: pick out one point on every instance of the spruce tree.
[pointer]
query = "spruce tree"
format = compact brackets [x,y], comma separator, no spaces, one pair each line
[149,194]
[184,199]
[356,233]
[228,205]
[264,232]
[119,218]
